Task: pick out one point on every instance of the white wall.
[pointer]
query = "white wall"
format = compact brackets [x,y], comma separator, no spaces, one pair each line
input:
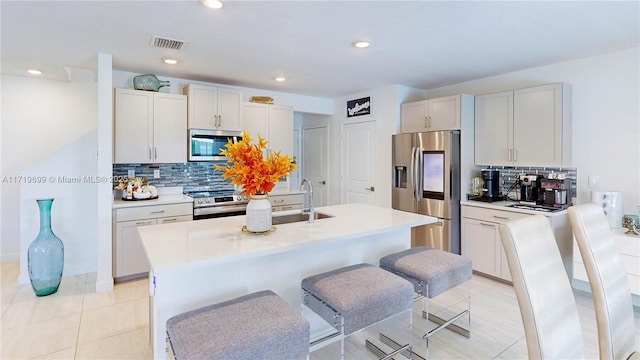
[300,103]
[606,116]
[385,110]
[49,134]
[40,118]
[74,210]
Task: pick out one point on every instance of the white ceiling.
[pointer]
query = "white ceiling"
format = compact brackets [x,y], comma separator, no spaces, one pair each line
[421,44]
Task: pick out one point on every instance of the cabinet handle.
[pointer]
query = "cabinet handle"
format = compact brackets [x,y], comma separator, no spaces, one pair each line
[486,224]
[287,207]
[155,150]
[157,212]
[509,154]
[501,217]
[169,220]
[426,119]
[515,155]
[143,222]
[278,201]
[429,121]
[150,157]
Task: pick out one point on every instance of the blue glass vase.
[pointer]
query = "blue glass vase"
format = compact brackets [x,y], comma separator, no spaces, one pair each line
[46,255]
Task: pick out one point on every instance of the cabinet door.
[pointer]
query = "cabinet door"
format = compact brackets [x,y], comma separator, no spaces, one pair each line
[130,258]
[444,113]
[255,119]
[203,106]
[537,126]
[170,128]
[281,129]
[133,134]
[494,129]
[230,109]
[481,245]
[414,117]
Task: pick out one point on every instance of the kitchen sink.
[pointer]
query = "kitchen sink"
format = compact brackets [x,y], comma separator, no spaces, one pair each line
[291,218]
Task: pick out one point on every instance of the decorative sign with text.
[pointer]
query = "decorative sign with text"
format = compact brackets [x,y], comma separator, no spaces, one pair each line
[359,107]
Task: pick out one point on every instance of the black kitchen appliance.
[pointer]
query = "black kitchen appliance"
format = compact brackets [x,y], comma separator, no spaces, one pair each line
[528,189]
[555,192]
[491,185]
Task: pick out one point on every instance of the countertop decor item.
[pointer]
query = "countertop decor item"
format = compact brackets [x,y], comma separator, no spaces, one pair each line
[137,189]
[261,99]
[45,256]
[632,223]
[148,82]
[248,168]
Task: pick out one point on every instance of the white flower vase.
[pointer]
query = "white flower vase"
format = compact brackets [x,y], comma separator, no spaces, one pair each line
[259,214]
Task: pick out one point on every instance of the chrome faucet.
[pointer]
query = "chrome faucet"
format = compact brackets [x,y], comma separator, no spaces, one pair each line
[311,212]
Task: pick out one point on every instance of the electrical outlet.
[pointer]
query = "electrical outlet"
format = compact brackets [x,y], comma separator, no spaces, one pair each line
[131,173]
[594,182]
[156,174]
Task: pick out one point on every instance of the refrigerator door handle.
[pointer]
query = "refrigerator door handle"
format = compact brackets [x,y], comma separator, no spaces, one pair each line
[417,175]
[414,172]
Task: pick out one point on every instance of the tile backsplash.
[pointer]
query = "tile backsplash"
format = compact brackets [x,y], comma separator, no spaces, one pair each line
[508,175]
[191,174]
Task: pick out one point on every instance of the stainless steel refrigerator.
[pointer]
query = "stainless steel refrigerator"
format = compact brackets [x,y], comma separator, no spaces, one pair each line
[426,180]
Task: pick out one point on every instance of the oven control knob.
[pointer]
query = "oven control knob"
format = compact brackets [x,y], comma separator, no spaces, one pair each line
[206,200]
[199,201]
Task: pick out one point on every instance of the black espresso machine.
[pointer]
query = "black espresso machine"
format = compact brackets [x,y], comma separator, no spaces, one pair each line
[491,186]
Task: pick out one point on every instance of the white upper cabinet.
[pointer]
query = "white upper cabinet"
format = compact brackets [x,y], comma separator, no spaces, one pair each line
[432,115]
[273,122]
[150,127]
[524,127]
[214,108]
[494,128]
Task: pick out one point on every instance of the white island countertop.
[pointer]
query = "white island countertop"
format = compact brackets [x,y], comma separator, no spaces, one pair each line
[220,240]
[197,263]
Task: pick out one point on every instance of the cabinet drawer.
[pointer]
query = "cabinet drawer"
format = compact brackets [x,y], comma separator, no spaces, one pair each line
[289,199]
[153,212]
[495,216]
[287,207]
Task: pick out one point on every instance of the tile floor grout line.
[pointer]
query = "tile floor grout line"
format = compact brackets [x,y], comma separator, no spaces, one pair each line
[508,347]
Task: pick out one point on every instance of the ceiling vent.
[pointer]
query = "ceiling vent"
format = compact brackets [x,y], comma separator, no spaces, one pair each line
[165,43]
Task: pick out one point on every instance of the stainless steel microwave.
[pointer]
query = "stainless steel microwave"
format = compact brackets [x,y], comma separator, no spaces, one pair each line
[206,145]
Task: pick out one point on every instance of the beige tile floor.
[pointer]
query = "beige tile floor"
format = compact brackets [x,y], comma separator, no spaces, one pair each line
[78,323]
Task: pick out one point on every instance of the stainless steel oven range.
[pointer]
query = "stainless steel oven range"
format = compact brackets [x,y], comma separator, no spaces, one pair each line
[213,203]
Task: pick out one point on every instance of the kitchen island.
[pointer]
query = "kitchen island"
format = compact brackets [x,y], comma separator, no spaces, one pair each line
[193,264]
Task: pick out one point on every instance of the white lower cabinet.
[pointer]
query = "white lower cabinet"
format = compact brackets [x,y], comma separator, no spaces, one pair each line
[129,259]
[482,243]
[286,201]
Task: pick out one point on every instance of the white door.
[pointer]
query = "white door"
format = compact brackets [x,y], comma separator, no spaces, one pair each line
[358,168]
[315,153]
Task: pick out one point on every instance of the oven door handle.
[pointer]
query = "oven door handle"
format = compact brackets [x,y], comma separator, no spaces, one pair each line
[219,209]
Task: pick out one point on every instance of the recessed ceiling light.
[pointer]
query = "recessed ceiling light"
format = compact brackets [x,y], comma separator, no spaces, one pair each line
[361,44]
[170,61]
[212,4]
[280,78]
[34,72]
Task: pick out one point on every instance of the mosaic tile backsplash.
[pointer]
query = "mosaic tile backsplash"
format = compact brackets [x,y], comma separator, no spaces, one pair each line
[187,175]
[508,175]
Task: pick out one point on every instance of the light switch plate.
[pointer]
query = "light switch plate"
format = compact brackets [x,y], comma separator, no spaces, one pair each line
[156,174]
[594,182]
[131,173]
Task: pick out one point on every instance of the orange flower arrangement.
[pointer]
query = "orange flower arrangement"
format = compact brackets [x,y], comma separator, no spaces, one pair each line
[248,168]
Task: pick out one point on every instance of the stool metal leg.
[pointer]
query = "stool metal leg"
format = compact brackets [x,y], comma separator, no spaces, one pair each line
[449,324]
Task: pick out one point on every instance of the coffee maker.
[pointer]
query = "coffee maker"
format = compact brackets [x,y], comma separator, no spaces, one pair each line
[491,185]
[528,189]
[554,192]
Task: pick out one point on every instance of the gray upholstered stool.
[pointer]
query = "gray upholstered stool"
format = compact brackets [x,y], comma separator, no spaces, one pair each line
[256,326]
[355,297]
[432,272]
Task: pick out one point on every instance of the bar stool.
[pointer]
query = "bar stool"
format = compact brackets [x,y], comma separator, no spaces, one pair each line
[432,272]
[355,297]
[256,326]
